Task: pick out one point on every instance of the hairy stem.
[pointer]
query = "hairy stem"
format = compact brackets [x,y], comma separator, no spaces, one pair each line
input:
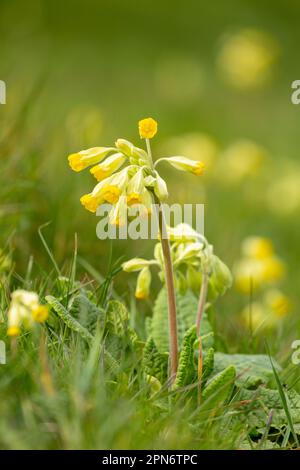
[200,311]
[169,278]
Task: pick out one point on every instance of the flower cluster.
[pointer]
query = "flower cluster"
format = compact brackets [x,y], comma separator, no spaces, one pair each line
[127,176]
[259,271]
[25,310]
[191,257]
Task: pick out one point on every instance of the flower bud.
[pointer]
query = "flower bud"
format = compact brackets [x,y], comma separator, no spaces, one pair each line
[135,264]
[160,188]
[194,279]
[143,284]
[185,164]
[221,278]
[131,151]
[147,128]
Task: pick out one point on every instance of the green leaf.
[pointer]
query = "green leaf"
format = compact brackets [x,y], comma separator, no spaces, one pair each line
[208,365]
[86,312]
[187,372]
[252,369]
[155,364]
[219,388]
[186,317]
[284,400]
[257,404]
[117,321]
[71,322]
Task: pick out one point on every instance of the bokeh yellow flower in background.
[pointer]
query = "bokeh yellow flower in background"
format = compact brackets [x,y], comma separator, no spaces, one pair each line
[257,247]
[242,160]
[246,58]
[257,274]
[268,312]
[24,310]
[283,192]
[258,267]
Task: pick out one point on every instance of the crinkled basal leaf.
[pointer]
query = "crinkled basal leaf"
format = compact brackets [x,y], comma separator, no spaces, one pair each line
[111,364]
[155,364]
[257,405]
[252,369]
[186,317]
[208,364]
[187,372]
[86,312]
[117,320]
[219,388]
[70,321]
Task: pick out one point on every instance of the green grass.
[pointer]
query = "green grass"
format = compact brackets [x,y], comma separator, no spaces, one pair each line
[79,77]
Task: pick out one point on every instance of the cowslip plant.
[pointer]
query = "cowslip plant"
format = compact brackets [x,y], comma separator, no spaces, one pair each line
[196,268]
[25,310]
[127,177]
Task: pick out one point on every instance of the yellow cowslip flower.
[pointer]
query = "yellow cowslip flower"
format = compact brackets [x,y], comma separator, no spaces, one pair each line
[147,201]
[24,309]
[185,164]
[134,198]
[109,166]
[135,264]
[257,247]
[40,313]
[147,128]
[81,160]
[118,214]
[135,188]
[143,284]
[90,202]
[111,194]
[138,182]
[108,190]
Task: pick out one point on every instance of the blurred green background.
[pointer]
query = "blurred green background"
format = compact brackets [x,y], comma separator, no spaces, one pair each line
[81,74]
